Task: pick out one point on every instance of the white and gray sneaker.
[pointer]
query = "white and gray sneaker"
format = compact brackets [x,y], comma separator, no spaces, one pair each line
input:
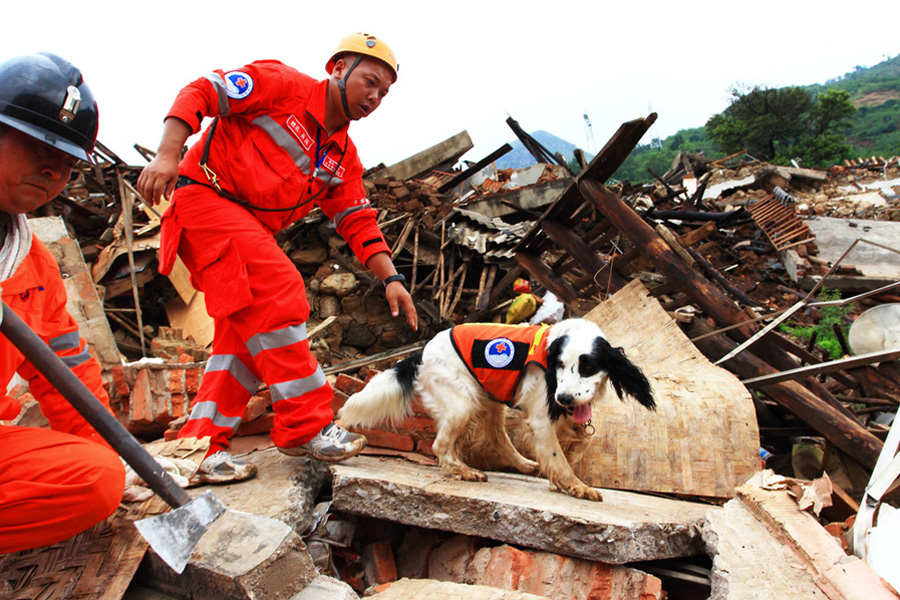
[222,467]
[332,444]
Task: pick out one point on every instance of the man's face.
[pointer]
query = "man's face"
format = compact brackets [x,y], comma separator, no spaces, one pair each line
[367,86]
[31,172]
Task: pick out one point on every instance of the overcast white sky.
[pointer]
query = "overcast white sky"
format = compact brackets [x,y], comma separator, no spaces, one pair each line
[463,65]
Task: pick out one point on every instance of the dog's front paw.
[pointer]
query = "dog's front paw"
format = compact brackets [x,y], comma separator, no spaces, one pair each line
[585,493]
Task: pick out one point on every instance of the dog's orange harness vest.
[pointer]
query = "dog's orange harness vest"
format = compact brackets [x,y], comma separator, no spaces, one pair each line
[496,354]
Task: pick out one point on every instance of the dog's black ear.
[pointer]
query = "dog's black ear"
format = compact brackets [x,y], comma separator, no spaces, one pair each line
[553,353]
[625,375]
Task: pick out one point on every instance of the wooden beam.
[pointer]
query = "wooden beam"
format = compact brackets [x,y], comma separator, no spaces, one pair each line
[546,277]
[844,431]
[820,368]
[451,148]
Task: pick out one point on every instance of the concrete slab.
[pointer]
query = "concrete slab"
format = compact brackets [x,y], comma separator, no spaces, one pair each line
[284,488]
[521,510]
[834,237]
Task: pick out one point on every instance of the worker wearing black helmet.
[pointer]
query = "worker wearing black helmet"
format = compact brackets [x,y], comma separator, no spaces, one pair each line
[53,483]
[278,146]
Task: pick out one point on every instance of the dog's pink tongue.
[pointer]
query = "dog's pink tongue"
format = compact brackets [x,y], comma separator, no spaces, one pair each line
[582,413]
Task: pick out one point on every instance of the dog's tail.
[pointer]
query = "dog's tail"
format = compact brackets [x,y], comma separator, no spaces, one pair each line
[627,377]
[385,399]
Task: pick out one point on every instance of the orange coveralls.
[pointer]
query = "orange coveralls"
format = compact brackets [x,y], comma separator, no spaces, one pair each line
[269,149]
[53,484]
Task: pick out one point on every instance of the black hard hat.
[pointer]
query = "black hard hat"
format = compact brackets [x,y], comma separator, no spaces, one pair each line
[45,96]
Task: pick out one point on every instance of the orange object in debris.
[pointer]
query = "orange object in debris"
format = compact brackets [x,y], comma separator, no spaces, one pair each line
[522,286]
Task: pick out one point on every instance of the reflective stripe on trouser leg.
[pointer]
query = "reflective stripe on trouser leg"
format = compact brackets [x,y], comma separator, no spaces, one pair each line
[278,309]
[228,383]
[301,396]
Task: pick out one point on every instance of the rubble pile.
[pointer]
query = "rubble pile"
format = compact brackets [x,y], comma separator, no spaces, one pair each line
[732,250]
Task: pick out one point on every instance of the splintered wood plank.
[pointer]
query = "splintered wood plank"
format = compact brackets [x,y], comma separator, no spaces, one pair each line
[840,576]
[703,438]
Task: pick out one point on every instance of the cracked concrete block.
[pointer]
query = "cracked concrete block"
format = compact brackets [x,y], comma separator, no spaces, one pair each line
[242,557]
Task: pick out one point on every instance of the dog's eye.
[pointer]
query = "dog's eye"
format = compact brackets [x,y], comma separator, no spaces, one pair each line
[588,367]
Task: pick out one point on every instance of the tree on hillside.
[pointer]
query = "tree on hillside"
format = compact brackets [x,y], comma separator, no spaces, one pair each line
[760,121]
[778,125]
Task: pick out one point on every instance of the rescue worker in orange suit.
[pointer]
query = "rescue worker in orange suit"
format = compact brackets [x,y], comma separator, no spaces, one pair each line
[278,146]
[58,482]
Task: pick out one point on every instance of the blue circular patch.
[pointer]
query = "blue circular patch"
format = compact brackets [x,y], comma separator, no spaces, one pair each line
[238,84]
[499,352]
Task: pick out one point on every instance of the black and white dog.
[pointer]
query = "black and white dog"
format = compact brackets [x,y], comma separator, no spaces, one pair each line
[466,375]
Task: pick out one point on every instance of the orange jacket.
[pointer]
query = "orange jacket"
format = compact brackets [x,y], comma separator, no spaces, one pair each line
[270,148]
[36,293]
[497,354]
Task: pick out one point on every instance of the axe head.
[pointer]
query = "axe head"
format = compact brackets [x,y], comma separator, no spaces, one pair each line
[174,534]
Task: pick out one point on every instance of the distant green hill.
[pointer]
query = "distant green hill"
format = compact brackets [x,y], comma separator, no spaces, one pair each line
[875,91]
[875,130]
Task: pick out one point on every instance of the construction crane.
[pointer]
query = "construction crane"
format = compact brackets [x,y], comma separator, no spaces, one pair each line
[590,134]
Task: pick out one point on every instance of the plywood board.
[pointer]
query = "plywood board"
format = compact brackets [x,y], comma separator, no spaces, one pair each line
[703,438]
[181,281]
[192,319]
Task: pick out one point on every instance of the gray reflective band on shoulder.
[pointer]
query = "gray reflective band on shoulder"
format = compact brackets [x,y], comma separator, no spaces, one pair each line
[328,178]
[345,213]
[222,93]
[237,369]
[76,359]
[209,410]
[66,341]
[298,387]
[279,338]
[284,139]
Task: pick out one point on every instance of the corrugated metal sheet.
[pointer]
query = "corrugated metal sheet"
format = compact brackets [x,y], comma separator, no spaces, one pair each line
[490,237]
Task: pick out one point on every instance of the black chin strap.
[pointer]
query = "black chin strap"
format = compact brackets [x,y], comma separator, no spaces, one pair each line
[342,85]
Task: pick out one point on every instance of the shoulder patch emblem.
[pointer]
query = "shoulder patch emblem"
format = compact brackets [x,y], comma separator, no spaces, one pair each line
[499,352]
[238,84]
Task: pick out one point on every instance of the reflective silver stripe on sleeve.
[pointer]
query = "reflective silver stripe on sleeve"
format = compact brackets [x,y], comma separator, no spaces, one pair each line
[209,410]
[222,93]
[237,369]
[329,178]
[76,359]
[276,339]
[66,341]
[345,213]
[298,387]
[284,139]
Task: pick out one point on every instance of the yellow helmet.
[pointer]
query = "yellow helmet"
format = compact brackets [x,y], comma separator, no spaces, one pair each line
[369,45]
